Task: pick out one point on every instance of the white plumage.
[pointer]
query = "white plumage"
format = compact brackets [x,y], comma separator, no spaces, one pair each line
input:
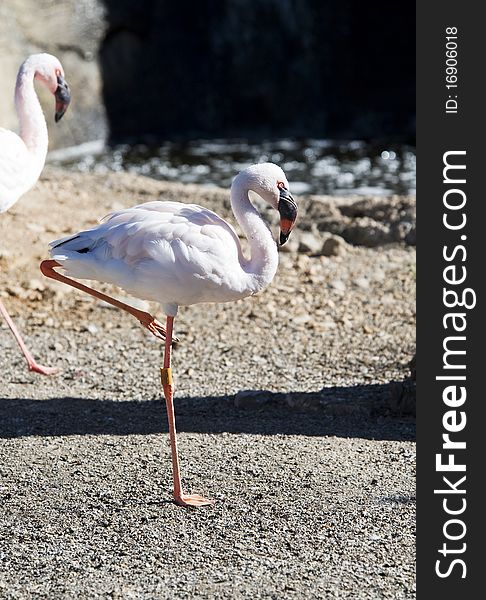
[164,251]
[19,169]
[180,254]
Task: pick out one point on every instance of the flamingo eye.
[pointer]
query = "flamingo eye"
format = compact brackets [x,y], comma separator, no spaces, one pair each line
[281,185]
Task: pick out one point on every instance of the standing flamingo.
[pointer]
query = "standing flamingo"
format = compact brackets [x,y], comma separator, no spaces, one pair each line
[22,157]
[180,254]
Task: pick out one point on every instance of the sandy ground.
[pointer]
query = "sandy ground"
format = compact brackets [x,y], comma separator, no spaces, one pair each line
[313,470]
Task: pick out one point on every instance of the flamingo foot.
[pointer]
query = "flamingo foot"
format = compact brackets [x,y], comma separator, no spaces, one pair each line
[155,327]
[36,368]
[33,366]
[192,500]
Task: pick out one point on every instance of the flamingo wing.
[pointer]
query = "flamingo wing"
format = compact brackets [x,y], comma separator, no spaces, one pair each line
[158,250]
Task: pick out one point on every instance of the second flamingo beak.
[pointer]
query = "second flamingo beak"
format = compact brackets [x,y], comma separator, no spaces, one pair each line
[63,97]
[288,213]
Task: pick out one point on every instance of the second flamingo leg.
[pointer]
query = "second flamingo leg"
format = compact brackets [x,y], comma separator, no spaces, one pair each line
[32,364]
[168,386]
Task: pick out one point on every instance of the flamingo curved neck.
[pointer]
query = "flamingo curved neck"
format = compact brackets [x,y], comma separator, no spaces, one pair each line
[262,266]
[33,127]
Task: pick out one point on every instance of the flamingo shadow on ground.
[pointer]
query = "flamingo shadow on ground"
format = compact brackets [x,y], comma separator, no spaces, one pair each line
[355,411]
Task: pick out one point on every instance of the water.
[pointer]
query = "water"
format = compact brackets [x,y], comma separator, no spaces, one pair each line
[312,166]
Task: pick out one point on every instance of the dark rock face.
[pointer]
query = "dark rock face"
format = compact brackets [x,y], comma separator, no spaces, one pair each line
[72,30]
[263,68]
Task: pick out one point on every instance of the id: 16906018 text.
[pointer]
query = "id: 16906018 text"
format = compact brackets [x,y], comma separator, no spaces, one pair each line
[451,74]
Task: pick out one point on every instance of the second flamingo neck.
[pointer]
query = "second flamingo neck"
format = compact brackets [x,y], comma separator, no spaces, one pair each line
[33,128]
[263,263]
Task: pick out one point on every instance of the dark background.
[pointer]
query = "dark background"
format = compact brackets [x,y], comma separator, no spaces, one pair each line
[259,68]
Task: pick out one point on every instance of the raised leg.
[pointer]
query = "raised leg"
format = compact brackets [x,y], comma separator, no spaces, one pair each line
[168,386]
[32,364]
[145,318]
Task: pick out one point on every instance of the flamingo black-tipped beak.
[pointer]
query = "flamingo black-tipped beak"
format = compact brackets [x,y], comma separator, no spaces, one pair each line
[283,237]
[288,213]
[63,97]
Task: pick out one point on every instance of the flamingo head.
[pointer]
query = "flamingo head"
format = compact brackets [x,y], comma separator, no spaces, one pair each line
[287,209]
[49,70]
[269,181]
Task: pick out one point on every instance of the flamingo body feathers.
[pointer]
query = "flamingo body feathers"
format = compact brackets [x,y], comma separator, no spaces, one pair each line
[169,252]
[182,254]
[19,169]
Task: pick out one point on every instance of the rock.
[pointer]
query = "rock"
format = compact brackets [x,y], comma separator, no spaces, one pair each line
[303,261]
[338,285]
[362,282]
[301,319]
[367,232]
[333,245]
[57,346]
[251,398]
[367,222]
[35,227]
[310,243]
[35,284]
[16,291]
[378,275]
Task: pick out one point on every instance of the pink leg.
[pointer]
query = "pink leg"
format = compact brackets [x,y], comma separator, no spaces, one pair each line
[166,376]
[145,318]
[33,365]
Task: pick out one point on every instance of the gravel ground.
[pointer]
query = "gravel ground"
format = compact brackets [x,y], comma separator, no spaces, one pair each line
[290,406]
